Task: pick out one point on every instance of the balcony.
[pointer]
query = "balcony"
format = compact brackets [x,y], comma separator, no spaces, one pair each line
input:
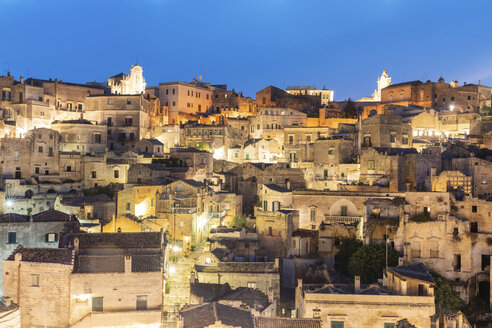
[342,219]
[183,210]
[218,215]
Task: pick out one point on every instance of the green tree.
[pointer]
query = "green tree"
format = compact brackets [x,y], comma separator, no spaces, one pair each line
[239,222]
[203,146]
[369,261]
[447,300]
[347,247]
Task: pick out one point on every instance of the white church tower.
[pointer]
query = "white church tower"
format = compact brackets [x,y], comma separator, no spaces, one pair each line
[133,84]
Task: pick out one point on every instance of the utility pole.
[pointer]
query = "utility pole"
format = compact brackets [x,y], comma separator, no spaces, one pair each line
[386,241]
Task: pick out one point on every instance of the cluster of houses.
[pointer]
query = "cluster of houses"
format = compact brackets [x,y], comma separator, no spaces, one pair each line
[191,205]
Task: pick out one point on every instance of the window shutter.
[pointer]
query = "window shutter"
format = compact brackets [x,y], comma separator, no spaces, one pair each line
[46,237]
[56,237]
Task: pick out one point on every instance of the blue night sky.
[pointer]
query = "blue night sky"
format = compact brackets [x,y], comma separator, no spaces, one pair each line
[250,44]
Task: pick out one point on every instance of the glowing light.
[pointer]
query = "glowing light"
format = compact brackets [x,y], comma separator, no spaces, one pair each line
[201,221]
[172,269]
[451,107]
[208,260]
[82,297]
[187,239]
[214,226]
[9,203]
[176,248]
[140,209]
[219,153]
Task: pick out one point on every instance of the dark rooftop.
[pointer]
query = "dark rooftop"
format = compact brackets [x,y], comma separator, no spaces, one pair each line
[116,263]
[81,200]
[43,255]
[273,322]
[207,314]
[415,271]
[277,188]
[46,216]
[154,142]
[187,150]
[123,240]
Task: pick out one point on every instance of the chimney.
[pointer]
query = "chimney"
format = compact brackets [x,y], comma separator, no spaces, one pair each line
[479,82]
[8,73]
[357,284]
[18,257]
[22,80]
[276,266]
[128,264]
[76,243]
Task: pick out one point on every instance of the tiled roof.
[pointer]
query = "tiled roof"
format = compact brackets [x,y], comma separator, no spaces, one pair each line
[210,292]
[154,142]
[277,188]
[46,216]
[272,322]
[207,314]
[51,216]
[373,289]
[43,255]
[239,267]
[395,151]
[12,217]
[116,263]
[6,305]
[416,271]
[123,240]
[81,200]
[194,183]
[251,297]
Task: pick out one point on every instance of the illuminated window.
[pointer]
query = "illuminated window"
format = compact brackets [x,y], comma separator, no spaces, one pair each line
[370,164]
[51,238]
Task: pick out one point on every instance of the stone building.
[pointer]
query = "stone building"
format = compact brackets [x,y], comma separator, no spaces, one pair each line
[449,181]
[244,179]
[325,95]
[150,147]
[232,104]
[264,276]
[384,167]
[85,284]
[180,97]
[41,158]
[274,97]
[256,150]
[218,138]
[269,122]
[186,206]
[39,230]
[198,162]
[81,136]
[440,95]
[409,294]
[87,208]
[127,117]
[149,174]
[385,131]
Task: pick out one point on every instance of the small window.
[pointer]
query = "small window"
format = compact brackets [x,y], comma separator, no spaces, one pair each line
[116,174]
[35,280]
[457,262]
[141,302]
[12,237]
[313,215]
[251,284]
[128,102]
[343,210]
[370,165]
[40,149]
[51,237]
[97,304]
[270,231]
[128,206]
[94,174]
[110,101]
[337,324]
[181,224]
[474,209]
